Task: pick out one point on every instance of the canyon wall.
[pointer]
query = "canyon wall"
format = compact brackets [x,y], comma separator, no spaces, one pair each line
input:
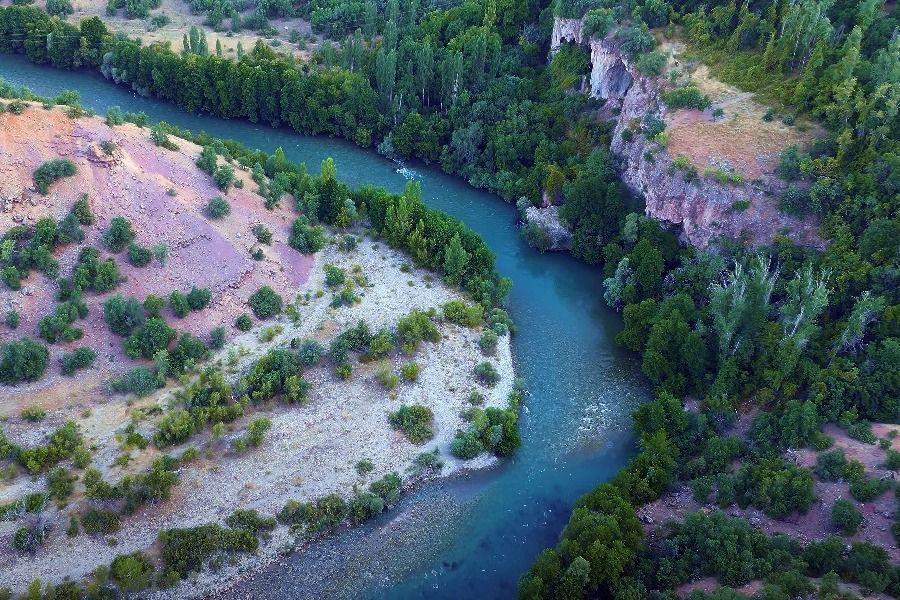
[702,208]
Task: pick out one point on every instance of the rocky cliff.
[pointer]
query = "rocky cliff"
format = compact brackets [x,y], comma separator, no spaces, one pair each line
[702,207]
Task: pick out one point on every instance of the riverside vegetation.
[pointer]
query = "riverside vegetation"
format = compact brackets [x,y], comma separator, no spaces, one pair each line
[204,390]
[801,338]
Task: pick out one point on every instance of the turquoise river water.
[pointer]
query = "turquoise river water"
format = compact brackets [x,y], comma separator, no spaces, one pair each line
[472,536]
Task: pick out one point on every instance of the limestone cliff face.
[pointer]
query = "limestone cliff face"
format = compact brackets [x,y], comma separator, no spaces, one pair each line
[703,209]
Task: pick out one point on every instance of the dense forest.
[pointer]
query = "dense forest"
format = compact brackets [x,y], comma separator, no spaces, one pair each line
[806,337]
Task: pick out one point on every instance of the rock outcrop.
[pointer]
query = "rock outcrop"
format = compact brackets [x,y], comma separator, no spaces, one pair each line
[547,218]
[703,208]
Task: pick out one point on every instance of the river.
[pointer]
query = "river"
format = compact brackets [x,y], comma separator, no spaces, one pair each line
[470,537]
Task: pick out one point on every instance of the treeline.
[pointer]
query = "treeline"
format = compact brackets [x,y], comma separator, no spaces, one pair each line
[463,86]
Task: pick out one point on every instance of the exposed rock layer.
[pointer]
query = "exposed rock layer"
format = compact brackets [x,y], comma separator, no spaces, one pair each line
[704,209]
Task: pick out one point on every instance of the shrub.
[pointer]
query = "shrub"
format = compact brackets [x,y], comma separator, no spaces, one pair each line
[415,421]
[178,302]
[265,303]
[59,8]
[146,341]
[458,312]
[175,428]
[185,550]
[256,429]
[217,338]
[139,381]
[866,490]
[50,171]
[28,540]
[123,316]
[262,233]
[334,276]
[306,238]
[218,207]
[249,520]
[132,572]
[387,378]
[114,116]
[199,298]
[60,484]
[119,235]
[862,431]
[410,371]
[310,352]
[686,97]
[387,488]
[12,319]
[244,323]
[80,358]
[651,64]
[33,414]
[845,517]
[224,177]
[138,255]
[161,253]
[364,466]
[22,360]
[466,446]
[487,374]
[488,341]
[100,521]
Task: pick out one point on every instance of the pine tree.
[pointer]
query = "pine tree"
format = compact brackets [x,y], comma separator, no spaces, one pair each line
[455,260]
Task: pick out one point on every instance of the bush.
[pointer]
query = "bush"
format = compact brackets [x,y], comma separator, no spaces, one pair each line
[59,8]
[218,207]
[244,323]
[686,97]
[262,233]
[123,316]
[33,414]
[60,484]
[415,421]
[866,490]
[458,312]
[488,341]
[80,358]
[310,353]
[139,381]
[466,446]
[224,177]
[217,338]
[100,521]
[50,171]
[306,238]
[146,341]
[119,235]
[256,429]
[199,298]
[386,376]
[334,276]
[410,371]
[132,572]
[387,488]
[845,517]
[185,550]
[12,319]
[139,256]
[265,303]
[249,520]
[161,253]
[22,360]
[178,302]
[487,374]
